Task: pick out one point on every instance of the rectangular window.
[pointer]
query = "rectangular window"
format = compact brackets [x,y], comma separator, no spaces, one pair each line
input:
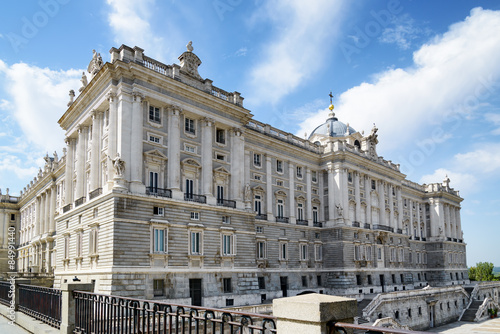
[220,157]
[189,188]
[261,250]
[226,220]
[157,211]
[318,252]
[154,114]
[279,183]
[262,282]
[318,280]
[220,193]
[189,148]
[300,211]
[369,279]
[314,176]
[374,185]
[189,126]
[304,281]
[283,251]
[158,287]
[358,279]
[279,166]
[153,182]
[154,139]
[299,172]
[160,238]
[303,252]
[227,244]
[195,243]
[356,252]
[315,214]
[228,287]
[12,216]
[280,208]
[257,160]
[220,136]
[259,229]
[258,204]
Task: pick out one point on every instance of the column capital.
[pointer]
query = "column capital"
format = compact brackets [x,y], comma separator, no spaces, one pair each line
[80,128]
[137,96]
[237,132]
[111,96]
[174,110]
[94,113]
[207,121]
[69,141]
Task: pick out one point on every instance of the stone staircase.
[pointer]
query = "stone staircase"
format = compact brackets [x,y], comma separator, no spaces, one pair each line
[470,313]
[361,305]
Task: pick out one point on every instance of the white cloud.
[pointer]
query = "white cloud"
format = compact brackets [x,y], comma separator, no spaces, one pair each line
[495,120]
[38,97]
[130,22]
[463,182]
[4,104]
[483,160]
[454,73]
[297,50]
[401,32]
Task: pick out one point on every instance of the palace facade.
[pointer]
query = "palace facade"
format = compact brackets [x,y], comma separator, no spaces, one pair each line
[169,189]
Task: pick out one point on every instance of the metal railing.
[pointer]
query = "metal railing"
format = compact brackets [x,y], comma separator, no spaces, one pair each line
[41,303]
[226,202]
[343,328]
[301,222]
[94,193]
[159,192]
[195,198]
[66,208]
[383,228]
[95,313]
[5,288]
[261,216]
[367,226]
[317,224]
[355,224]
[282,220]
[80,201]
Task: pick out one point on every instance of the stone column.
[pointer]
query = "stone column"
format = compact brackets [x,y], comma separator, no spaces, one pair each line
[391,206]
[309,196]
[331,193]
[80,162]
[41,216]
[112,137]
[68,305]
[321,193]
[410,211]
[237,166]
[459,223]
[52,223]
[357,198]
[69,172]
[368,194]
[48,200]
[136,158]
[447,220]
[95,165]
[291,199]
[381,200]
[400,209]
[207,159]
[337,191]
[174,155]
[269,190]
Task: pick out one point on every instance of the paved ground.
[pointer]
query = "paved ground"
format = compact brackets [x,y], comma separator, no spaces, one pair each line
[6,328]
[484,327]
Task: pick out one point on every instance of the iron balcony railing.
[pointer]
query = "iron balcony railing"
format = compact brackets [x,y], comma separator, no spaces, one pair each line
[5,289]
[317,224]
[344,328]
[226,202]
[302,222]
[94,193]
[161,192]
[383,228]
[195,198]
[261,216]
[367,226]
[95,313]
[282,220]
[80,201]
[41,303]
[66,208]
[355,224]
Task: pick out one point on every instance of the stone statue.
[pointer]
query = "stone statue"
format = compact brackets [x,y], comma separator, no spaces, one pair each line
[189,46]
[71,97]
[118,165]
[95,64]
[248,193]
[340,211]
[55,156]
[84,82]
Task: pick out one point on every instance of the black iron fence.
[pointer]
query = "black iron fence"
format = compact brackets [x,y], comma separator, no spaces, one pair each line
[344,328]
[95,313]
[5,288]
[94,193]
[41,303]
[195,198]
[226,202]
[161,192]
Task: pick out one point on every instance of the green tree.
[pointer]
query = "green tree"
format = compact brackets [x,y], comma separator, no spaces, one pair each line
[483,271]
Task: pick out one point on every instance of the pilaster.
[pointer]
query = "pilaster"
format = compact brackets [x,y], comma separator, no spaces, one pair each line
[174,156]
[136,146]
[291,199]
[269,190]
[309,197]
[95,165]
[207,126]
[357,198]
[112,137]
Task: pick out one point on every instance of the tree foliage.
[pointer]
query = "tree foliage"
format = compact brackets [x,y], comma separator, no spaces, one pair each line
[483,271]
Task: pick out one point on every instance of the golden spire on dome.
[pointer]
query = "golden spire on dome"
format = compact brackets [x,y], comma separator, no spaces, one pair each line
[332,114]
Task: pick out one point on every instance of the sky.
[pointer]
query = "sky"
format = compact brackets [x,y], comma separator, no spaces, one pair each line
[427,73]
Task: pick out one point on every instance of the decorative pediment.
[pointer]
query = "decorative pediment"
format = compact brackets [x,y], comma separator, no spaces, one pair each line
[300,198]
[258,189]
[221,170]
[316,201]
[191,163]
[155,157]
[280,193]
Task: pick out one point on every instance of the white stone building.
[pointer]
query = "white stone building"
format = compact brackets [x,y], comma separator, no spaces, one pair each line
[169,189]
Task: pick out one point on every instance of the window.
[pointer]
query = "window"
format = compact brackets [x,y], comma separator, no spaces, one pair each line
[189,126]
[226,220]
[262,282]
[393,279]
[379,253]
[279,166]
[195,215]
[300,211]
[229,302]
[283,251]
[227,286]
[220,157]
[261,250]
[280,208]
[154,139]
[259,229]
[318,252]
[220,193]
[314,176]
[257,160]
[154,114]
[315,214]
[153,182]
[369,279]
[258,204]
[160,239]
[157,211]
[220,136]
[304,281]
[303,252]
[257,177]
[299,172]
[374,185]
[358,279]
[12,216]
[227,244]
[93,240]
[279,183]
[349,177]
[95,213]
[189,148]
[189,188]
[318,280]
[158,287]
[195,243]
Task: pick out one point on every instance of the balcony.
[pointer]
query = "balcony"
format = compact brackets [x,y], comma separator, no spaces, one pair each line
[282,220]
[154,191]
[383,228]
[367,226]
[68,207]
[94,193]
[226,202]
[302,222]
[355,224]
[317,224]
[261,216]
[417,238]
[399,231]
[195,198]
[424,239]
[80,201]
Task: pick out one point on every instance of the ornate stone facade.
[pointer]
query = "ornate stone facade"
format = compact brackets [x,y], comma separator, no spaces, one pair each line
[169,189]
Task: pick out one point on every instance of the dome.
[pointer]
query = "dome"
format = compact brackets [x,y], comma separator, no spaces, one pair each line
[333,128]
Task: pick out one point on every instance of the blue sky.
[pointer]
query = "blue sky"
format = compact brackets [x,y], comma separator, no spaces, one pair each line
[426,72]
